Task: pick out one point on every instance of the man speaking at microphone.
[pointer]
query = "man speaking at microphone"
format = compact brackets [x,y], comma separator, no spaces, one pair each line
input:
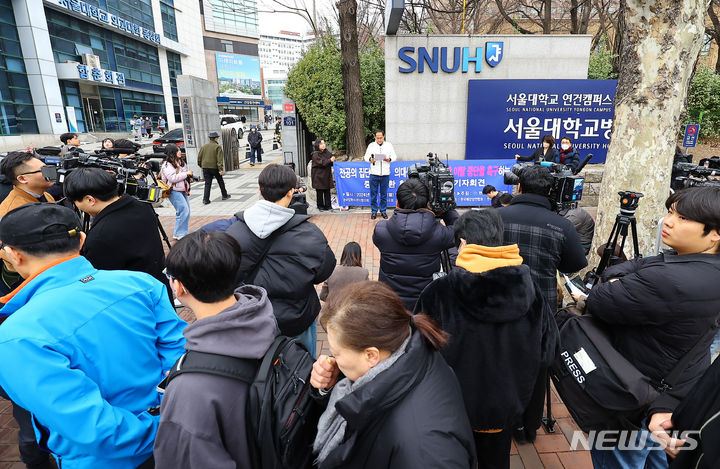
[379,154]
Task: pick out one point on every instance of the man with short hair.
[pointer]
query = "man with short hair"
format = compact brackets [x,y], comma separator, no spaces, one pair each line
[83,349]
[410,242]
[548,243]
[379,154]
[203,421]
[284,254]
[211,160]
[255,141]
[24,172]
[493,194]
[124,233]
[70,141]
[657,309]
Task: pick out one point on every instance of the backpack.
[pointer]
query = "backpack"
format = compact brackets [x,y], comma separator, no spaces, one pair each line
[600,387]
[281,415]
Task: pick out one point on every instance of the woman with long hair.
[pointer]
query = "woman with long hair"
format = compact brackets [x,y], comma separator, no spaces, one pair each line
[349,271]
[174,171]
[398,404]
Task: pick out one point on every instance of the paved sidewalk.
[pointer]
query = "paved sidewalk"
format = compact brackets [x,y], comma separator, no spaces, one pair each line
[548,451]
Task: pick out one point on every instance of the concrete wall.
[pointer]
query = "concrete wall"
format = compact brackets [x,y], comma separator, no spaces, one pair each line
[427,112]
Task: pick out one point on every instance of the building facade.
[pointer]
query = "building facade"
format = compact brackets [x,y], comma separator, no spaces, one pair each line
[230,38]
[278,53]
[90,65]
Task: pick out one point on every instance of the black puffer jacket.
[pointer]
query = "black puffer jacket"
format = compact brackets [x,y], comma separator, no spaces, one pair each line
[125,236]
[410,244]
[409,416]
[658,309]
[299,257]
[502,333]
[700,410]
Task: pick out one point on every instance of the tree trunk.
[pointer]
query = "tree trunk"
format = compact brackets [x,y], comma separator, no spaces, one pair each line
[354,121]
[547,17]
[574,21]
[661,42]
[715,33]
[620,33]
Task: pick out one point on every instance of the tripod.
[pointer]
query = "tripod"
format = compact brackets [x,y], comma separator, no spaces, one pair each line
[623,220]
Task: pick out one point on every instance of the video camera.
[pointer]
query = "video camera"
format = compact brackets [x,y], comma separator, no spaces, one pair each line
[440,182]
[567,186]
[705,173]
[58,167]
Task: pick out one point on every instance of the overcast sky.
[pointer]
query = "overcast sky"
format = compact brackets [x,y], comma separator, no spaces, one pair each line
[272,20]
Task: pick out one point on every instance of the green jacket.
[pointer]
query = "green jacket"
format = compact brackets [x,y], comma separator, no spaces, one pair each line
[211,156]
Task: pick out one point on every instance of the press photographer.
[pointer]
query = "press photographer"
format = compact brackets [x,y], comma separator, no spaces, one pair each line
[24,172]
[412,240]
[661,308]
[548,243]
[124,234]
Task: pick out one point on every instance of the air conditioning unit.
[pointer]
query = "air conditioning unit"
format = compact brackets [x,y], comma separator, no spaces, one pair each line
[91,60]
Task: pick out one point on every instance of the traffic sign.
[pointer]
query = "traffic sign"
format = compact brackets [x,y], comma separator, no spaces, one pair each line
[691,134]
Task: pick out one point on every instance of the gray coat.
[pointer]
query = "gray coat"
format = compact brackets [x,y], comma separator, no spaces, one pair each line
[202,417]
[342,276]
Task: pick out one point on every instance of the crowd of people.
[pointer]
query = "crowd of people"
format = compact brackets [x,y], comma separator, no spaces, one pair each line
[441,362]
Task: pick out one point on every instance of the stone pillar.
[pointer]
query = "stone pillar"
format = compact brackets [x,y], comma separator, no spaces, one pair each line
[200,116]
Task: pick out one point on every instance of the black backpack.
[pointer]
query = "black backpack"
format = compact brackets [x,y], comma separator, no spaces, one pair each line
[600,387]
[281,415]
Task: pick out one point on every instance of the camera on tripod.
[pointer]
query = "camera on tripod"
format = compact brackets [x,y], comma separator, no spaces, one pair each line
[625,219]
[567,186]
[440,182]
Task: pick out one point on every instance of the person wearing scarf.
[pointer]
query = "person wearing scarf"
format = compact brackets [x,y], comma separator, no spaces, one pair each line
[397,403]
[568,155]
[502,331]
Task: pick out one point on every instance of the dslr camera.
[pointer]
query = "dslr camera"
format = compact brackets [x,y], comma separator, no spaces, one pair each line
[440,182]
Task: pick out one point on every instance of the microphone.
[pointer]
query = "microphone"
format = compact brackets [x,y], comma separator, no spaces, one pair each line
[372,155]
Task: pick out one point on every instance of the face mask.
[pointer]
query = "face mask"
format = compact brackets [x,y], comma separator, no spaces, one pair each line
[565,146]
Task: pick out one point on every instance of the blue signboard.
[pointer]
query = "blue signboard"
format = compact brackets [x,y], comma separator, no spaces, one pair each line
[352,180]
[102,16]
[509,117]
[691,134]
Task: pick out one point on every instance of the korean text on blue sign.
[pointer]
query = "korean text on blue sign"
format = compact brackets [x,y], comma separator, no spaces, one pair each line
[102,16]
[691,135]
[509,117]
[352,180]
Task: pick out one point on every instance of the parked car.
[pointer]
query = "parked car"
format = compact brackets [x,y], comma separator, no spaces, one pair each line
[233,121]
[174,136]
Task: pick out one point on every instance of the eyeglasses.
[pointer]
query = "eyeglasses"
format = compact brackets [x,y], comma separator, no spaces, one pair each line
[31,172]
[167,274]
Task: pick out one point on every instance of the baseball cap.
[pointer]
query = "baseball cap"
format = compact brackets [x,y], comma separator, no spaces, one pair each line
[36,223]
[214,135]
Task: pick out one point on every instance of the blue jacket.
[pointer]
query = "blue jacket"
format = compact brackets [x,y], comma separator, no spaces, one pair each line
[83,350]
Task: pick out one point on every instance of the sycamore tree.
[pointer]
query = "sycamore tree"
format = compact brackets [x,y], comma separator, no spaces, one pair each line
[315,83]
[661,41]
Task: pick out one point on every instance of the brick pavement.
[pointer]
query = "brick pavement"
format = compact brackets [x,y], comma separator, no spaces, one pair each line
[548,451]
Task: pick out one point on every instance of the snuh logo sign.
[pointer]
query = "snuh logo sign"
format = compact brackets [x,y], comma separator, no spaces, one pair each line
[449,61]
